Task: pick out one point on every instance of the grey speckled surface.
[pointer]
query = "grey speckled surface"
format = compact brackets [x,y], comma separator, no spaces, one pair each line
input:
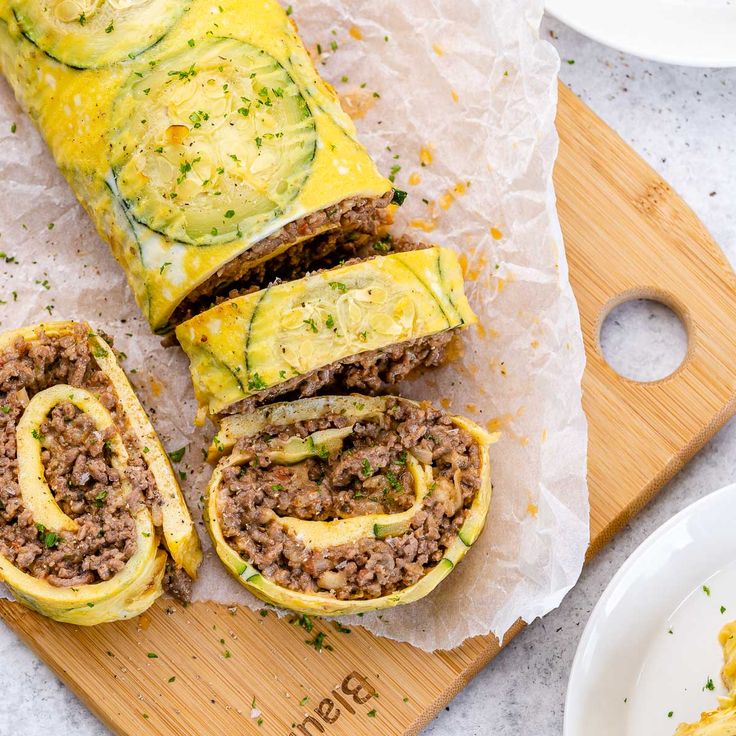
[682,121]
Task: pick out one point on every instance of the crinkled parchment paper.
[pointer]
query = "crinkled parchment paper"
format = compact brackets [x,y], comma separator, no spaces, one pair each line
[459,98]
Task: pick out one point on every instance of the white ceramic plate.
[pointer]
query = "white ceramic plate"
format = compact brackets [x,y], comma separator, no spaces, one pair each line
[629,671]
[692,32]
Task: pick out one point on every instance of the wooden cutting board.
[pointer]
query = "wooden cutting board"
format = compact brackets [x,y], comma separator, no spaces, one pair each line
[627,235]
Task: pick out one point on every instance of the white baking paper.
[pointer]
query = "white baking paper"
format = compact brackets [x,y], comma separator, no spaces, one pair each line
[457,100]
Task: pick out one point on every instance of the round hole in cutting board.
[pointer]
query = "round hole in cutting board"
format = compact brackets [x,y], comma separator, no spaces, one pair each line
[643,340]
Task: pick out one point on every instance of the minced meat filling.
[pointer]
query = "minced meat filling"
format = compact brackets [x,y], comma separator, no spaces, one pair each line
[321,238]
[371,372]
[368,476]
[77,467]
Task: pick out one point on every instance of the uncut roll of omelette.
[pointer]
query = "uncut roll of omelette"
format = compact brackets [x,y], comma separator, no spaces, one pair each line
[199,137]
[345,504]
[93,525]
[362,326]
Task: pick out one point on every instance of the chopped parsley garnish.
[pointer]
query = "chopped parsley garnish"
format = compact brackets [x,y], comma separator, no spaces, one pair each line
[82,19]
[372,713]
[152,655]
[366,469]
[172,678]
[383,245]
[339,286]
[399,197]
[289,10]
[36,435]
[5,408]
[164,266]
[229,214]
[177,455]
[227,654]
[191,42]
[99,352]
[319,642]
[304,700]
[255,382]
[670,714]
[304,621]
[401,459]
[276,487]
[99,498]
[51,539]
[330,321]
[393,481]
[282,374]
[709,684]
[13,127]
[311,324]
[184,74]
[723,609]
[342,629]
[706,590]
[110,28]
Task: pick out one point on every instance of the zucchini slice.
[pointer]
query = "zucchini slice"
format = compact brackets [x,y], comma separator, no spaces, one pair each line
[270,338]
[358,529]
[87,34]
[99,515]
[212,143]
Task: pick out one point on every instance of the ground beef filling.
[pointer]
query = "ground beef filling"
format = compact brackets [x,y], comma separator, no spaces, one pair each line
[320,239]
[371,372]
[368,476]
[77,465]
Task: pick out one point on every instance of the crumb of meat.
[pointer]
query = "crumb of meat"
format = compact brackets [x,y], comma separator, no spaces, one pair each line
[321,238]
[77,465]
[372,372]
[177,583]
[368,476]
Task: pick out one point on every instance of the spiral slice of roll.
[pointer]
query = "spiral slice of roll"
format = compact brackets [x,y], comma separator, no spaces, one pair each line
[343,504]
[93,525]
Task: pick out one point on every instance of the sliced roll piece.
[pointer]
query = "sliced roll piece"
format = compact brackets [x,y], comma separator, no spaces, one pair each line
[345,504]
[199,137]
[93,525]
[366,324]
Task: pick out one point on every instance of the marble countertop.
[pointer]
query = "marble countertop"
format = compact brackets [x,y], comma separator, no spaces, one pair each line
[682,121]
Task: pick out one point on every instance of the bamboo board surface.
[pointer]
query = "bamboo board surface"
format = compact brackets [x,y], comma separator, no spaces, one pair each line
[627,235]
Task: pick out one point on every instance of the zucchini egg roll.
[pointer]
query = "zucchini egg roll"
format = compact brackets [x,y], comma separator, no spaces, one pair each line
[199,137]
[344,504]
[93,525]
[363,325]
